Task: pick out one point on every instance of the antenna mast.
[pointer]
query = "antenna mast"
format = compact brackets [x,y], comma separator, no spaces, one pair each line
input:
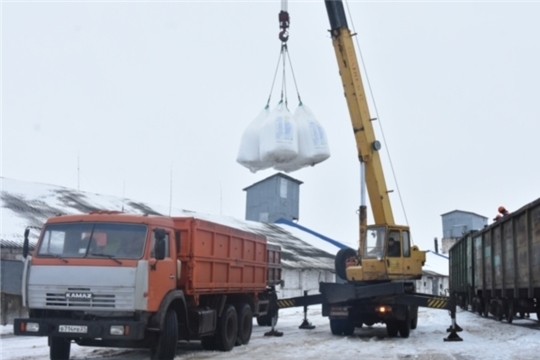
[170,193]
[78,173]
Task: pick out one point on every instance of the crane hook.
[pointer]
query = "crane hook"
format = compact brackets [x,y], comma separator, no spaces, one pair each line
[284,26]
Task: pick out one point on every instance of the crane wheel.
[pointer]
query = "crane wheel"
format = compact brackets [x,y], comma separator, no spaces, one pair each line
[340,262]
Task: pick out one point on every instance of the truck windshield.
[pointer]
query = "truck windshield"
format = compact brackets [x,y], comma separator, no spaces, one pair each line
[80,240]
[374,242]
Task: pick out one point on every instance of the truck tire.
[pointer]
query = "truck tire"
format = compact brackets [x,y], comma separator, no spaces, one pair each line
[59,348]
[336,326]
[266,320]
[262,320]
[208,343]
[391,328]
[340,261]
[272,314]
[414,317]
[245,324]
[404,326]
[165,346]
[227,329]
[348,327]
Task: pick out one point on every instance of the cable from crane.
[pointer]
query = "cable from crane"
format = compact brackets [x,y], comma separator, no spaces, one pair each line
[284,56]
[284,77]
[274,79]
[294,78]
[377,116]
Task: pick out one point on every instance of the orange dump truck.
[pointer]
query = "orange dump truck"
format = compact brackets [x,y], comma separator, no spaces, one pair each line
[142,281]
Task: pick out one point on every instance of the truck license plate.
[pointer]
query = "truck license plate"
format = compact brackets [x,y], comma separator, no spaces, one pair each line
[72,329]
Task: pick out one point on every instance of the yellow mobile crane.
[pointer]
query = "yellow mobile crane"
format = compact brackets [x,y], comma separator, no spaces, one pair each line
[378,286]
[376,260]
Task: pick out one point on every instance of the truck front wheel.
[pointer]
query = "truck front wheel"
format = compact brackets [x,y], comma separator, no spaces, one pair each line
[59,348]
[165,347]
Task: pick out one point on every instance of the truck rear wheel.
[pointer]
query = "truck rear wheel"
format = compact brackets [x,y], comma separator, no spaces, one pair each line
[404,327]
[336,326]
[227,329]
[392,328]
[165,347]
[59,348]
[341,327]
[208,343]
[266,320]
[414,317]
[348,327]
[245,324]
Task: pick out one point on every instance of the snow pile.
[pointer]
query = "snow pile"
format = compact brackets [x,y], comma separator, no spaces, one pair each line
[25,204]
[483,339]
[283,141]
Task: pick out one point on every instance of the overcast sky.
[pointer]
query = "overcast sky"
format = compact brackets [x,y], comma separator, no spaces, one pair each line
[131,92]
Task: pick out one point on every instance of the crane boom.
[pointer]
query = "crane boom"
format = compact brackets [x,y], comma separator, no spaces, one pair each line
[355,95]
[385,251]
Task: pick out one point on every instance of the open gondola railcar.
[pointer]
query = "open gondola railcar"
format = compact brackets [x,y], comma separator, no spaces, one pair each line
[497,269]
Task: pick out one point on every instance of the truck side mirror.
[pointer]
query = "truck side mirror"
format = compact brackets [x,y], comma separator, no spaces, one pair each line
[26,244]
[160,246]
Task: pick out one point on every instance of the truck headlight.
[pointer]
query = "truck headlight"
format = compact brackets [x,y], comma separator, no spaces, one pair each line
[32,327]
[117,330]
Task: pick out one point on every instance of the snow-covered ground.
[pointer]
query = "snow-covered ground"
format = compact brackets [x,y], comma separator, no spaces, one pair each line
[482,339]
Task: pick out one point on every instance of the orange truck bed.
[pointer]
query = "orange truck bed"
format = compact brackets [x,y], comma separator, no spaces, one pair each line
[220,259]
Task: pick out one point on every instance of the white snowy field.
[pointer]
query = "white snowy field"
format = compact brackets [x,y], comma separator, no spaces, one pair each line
[482,339]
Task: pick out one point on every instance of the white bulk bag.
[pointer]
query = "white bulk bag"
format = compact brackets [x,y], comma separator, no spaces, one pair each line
[278,142]
[312,141]
[248,154]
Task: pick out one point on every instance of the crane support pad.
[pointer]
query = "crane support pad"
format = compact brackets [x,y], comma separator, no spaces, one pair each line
[300,301]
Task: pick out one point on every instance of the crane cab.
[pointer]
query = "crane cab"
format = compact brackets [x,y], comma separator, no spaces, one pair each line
[386,253]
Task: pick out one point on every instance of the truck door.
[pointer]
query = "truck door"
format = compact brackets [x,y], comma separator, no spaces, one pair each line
[162,273]
[394,253]
[411,265]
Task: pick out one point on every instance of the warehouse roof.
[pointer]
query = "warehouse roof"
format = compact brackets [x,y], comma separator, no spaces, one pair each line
[26,204]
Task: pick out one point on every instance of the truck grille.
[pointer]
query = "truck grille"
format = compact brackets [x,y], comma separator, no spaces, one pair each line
[93,300]
[60,297]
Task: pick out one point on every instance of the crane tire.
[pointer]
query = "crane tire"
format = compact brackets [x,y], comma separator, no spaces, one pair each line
[340,262]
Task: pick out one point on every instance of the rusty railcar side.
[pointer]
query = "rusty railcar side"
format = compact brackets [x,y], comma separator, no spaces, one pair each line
[507,263]
[462,272]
